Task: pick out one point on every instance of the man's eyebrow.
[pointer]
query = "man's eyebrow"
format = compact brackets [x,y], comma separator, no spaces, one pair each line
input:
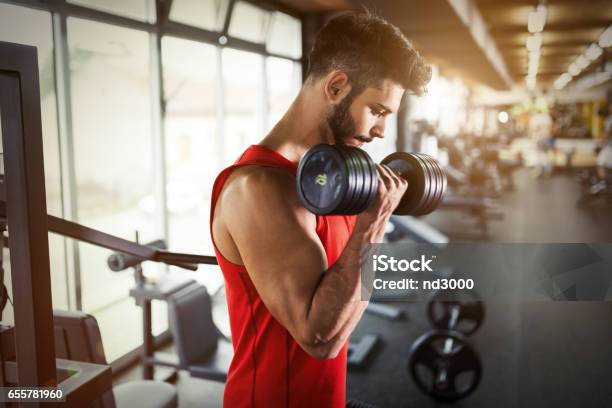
[383,107]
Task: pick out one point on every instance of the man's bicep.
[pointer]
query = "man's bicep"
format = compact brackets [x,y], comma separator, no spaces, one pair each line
[280,250]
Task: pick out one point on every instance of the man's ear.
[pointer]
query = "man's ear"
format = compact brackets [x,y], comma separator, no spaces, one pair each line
[336,86]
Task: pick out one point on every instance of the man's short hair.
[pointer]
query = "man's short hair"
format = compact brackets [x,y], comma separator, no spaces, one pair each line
[369,49]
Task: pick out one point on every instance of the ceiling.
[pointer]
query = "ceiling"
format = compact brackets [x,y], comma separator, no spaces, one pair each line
[571,26]
[437,31]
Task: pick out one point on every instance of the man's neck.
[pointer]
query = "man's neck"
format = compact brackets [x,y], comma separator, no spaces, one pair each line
[299,129]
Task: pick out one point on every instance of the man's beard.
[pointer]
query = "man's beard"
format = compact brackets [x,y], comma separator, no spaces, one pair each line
[340,121]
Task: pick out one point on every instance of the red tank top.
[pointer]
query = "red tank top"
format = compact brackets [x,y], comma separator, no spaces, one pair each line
[269,369]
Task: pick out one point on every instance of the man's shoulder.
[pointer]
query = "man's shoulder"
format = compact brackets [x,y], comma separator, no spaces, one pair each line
[254,182]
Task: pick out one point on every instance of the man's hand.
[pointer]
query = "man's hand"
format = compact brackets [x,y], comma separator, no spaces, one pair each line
[391,189]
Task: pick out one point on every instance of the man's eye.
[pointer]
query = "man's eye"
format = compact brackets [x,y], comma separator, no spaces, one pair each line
[378,113]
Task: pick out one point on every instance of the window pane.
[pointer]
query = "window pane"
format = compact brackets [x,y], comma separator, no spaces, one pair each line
[198,13]
[143,10]
[248,22]
[193,157]
[285,36]
[32,27]
[111,109]
[243,82]
[284,79]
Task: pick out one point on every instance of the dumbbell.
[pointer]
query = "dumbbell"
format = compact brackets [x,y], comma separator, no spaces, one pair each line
[442,363]
[342,180]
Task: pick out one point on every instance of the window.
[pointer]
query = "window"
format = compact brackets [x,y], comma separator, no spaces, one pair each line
[244,101]
[198,13]
[248,22]
[285,36]
[284,82]
[111,110]
[193,156]
[143,10]
[32,27]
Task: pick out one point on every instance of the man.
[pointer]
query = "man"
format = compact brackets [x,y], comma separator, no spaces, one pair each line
[604,157]
[293,278]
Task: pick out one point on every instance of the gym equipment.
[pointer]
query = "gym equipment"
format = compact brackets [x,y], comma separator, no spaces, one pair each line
[444,366]
[456,311]
[384,311]
[358,351]
[77,337]
[200,348]
[334,179]
[401,228]
[442,363]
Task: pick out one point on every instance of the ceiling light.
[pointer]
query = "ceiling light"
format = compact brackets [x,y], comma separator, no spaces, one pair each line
[502,117]
[582,62]
[605,39]
[559,84]
[534,42]
[530,81]
[536,19]
[573,69]
[566,77]
[593,52]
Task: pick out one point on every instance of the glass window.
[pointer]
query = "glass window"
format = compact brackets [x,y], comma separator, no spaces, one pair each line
[249,22]
[244,101]
[113,149]
[143,10]
[193,156]
[285,35]
[284,78]
[33,27]
[198,13]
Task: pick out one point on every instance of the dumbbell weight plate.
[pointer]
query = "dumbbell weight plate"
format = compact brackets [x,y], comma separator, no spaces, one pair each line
[370,178]
[461,364]
[411,168]
[440,183]
[471,310]
[322,179]
[444,183]
[436,183]
[430,186]
[354,182]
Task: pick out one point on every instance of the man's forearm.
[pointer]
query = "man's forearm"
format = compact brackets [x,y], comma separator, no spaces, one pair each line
[337,299]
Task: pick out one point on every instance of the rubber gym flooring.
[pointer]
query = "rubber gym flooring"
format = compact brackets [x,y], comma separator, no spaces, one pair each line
[539,354]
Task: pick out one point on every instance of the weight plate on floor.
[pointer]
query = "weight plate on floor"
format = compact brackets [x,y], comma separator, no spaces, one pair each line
[471,310]
[322,179]
[444,366]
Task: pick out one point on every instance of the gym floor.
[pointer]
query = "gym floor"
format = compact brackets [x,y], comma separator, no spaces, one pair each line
[531,347]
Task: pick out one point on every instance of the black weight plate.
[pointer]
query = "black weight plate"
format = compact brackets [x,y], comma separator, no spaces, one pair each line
[471,311]
[441,184]
[444,373]
[354,158]
[322,179]
[442,187]
[364,168]
[429,187]
[410,168]
[347,203]
[436,183]
[373,175]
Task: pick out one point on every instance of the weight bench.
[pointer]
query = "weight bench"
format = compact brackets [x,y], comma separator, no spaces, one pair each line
[201,349]
[412,228]
[481,208]
[77,337]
